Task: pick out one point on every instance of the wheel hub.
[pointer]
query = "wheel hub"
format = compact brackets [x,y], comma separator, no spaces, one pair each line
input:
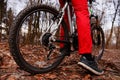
[45,39]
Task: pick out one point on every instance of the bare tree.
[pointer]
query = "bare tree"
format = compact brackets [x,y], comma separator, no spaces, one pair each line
[31,2]
[118,30]
[111,32]
[3,5]
[117,36]
[33,24]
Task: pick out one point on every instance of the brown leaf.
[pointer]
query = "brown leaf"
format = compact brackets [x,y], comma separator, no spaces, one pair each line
[3,77]
[11,78]
[51,76]
[87,77]
[74,76]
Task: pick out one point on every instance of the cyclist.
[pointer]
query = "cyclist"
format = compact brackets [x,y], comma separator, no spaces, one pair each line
[84,35]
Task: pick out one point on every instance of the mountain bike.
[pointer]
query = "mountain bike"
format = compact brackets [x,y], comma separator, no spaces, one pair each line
[35,40]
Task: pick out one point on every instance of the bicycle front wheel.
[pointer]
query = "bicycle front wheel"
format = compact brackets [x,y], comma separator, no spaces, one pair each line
[30,36]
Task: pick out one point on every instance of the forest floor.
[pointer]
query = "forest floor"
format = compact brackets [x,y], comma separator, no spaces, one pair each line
[67,70]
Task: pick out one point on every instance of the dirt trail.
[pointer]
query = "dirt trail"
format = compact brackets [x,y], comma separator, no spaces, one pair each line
[68,70]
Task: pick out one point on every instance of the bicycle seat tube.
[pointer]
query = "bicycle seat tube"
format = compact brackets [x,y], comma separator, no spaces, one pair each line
[60,15]
[67,6]
[62,12]
[69,18]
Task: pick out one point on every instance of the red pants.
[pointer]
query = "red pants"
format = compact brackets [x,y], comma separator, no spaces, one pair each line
[83,25]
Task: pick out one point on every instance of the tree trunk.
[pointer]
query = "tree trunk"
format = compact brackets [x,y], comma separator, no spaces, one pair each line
[118,38]
[111,32]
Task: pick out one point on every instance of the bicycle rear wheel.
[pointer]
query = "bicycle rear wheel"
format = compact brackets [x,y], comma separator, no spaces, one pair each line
[30,36]
[98,42]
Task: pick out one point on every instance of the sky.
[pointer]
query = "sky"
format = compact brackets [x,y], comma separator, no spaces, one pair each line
[18,5]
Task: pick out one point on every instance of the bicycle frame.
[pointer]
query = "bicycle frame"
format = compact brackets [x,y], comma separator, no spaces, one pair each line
[61,16]
[62,12]
[48,54]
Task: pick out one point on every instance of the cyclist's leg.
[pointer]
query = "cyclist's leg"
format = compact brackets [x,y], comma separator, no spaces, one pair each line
[84,36]
[83,26]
